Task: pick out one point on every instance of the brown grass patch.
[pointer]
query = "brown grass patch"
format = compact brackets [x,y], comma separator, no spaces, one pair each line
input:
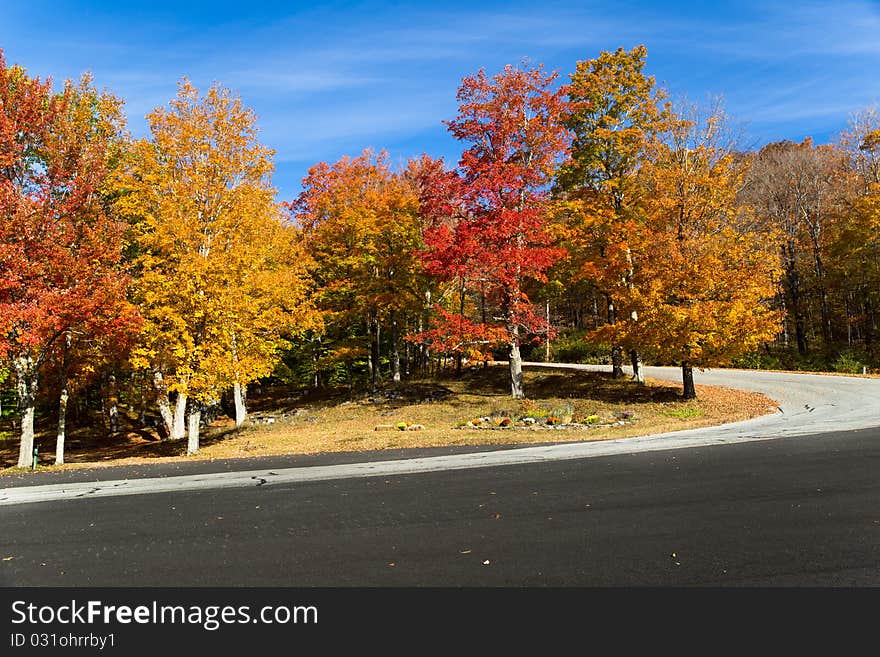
[335,421]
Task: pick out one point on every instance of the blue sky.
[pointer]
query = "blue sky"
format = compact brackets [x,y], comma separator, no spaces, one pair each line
[328,79]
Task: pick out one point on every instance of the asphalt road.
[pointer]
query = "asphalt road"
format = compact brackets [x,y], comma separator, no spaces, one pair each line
[790,511]
[807,404]
[786,499]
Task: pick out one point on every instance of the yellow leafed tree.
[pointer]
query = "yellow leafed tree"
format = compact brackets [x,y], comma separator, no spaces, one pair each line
[221,280]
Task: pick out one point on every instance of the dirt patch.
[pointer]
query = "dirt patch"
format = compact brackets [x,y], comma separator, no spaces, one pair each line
[285,421]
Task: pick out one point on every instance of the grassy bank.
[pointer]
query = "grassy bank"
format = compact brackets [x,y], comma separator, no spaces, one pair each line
[473,410]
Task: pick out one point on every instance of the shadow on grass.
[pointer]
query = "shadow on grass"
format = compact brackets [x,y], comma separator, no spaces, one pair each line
[93,443]
[598,386]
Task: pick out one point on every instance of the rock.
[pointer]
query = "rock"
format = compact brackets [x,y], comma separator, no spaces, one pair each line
[384,427]
[528,420]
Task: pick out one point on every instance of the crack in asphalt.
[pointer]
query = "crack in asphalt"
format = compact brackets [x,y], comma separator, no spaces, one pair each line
[89,492]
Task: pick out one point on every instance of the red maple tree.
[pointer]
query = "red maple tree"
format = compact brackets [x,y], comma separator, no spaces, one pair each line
[60,251]
[485,221]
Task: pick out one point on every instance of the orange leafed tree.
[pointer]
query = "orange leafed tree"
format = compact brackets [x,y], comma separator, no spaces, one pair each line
[221,279]
[617,115]
[360,223]
[702,275]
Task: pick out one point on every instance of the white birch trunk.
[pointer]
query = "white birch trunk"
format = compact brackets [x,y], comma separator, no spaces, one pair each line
[179,428]
[240,408]
[638,373]
[62,404]
[27,395]
[162,402]
[62,426]
[195,417]
[515,360]
[395,350]
[25,453]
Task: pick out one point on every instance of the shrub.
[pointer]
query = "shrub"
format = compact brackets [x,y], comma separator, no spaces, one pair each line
[685,413]
[847,362]
[572,348]
[758,361]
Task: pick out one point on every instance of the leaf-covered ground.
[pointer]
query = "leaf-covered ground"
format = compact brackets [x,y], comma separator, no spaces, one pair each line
[285,421]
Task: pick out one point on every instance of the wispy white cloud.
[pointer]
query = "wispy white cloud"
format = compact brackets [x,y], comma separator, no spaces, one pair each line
[330,79]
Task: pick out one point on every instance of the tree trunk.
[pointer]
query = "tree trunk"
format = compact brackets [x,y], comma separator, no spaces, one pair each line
[62,419]
[616,350]
[374,351]
[617,362]
[687,377]
[515,360]
[547,345]
[793,283]
[238,394]
[179,417]
[395,350]
[194,419]
[461,298]
[407,363]
[317,379]
[162,402]
[636,360]
[483,311]
[112,405]
[62,403]
[825,311]
[26,374]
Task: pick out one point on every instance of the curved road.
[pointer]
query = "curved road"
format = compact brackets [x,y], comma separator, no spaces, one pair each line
[808,404]
[770,506]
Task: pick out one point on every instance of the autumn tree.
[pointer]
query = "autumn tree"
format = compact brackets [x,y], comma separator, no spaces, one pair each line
[360,223]
[794,189]
[861,142]
[617,114]
[703,277]
[60,250]
[220,279]
[488,220]
[855,247]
